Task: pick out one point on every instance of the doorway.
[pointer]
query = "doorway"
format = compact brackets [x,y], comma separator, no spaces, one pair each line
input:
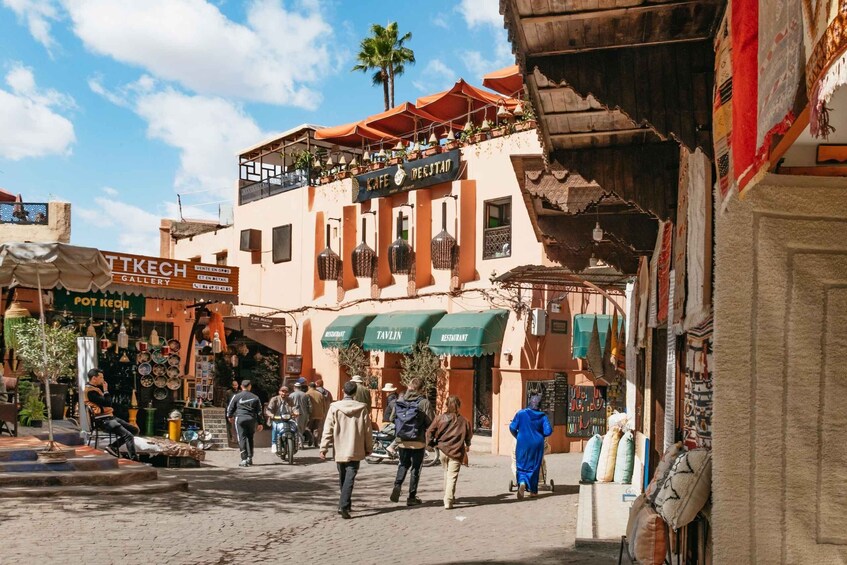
[482,394]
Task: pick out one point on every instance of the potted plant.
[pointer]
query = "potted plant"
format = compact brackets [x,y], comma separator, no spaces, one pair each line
[499,131]
[432,150]
[425,365]
[33,411]
[377,165]
[451,144]
[397,157]
[52,362]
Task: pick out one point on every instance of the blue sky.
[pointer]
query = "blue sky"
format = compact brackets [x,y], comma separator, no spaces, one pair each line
[118,106]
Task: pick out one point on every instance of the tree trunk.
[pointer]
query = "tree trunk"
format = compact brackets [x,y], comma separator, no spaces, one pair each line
[385,88]
[391,84]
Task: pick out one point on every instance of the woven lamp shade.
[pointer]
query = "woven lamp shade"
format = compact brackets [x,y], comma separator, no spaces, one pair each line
[364,258]
[400,252]
[329,262]
[443,245]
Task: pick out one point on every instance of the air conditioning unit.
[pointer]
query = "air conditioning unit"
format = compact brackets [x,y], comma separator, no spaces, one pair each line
[539,322]
[251,240]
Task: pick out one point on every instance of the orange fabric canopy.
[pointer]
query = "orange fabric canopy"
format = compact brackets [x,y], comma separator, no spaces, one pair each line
[462,99]
[507,80]
[354,134]
[403,120]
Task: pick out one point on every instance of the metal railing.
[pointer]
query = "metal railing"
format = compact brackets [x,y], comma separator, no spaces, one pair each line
[497,242]
[272,186]
[24,213]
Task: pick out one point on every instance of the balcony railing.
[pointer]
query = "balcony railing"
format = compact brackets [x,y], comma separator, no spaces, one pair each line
[24,213]
[497,242]
[272,186]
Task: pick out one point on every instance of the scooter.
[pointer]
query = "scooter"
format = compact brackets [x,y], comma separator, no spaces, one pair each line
[286,439]
[385,437]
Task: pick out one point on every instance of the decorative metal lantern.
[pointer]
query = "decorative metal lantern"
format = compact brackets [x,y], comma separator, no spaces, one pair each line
[328,262]
[364,258]
[123,338]
[400,252]
[443,245]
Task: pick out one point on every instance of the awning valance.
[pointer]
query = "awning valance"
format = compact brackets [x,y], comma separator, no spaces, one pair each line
[469,334]
[398,332]
[345,330]
[583,325]
[272,339]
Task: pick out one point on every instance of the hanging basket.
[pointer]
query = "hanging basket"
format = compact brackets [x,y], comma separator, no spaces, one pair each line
[329,264]
[364,259]
[443,251]
[400,257]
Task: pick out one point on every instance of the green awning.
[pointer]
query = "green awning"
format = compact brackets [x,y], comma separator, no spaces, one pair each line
[398,332]
[469,334]
[345,330]
[583,325]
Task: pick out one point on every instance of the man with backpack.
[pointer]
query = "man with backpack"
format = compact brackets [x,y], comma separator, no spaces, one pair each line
[412,415]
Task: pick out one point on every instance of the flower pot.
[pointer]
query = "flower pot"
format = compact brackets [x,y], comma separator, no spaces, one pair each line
[413,155]
[355,171]
[394,160]
[377,166]
[58,392]
[498,132]
[325,180]
[432,151]
[36,423]
[450,145]
[524,126]
[478,138]
[342,175]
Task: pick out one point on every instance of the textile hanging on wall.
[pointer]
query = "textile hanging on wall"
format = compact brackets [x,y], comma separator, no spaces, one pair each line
[609,372]
[595,354]
[614,350]
[825,36]
[631,343]
[680,242]
[664,275]
[670,382]
[767,56]
[699,243]
[722,110]
[642,293]
[697,419]
[653,311]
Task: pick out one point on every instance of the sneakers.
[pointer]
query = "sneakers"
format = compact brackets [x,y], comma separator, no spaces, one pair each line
[448,505]
[521,491]
[243,463]
[395,494]
[112,450]
[274,448]
[414,501]
[344,513]
[250,462]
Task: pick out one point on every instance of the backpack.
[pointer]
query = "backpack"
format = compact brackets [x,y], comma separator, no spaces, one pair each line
[408,419]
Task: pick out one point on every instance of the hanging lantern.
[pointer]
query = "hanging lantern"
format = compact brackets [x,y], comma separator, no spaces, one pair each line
[328,262]
[216,343]
[342,161]
[381,153]
[443,245]
[433,140]
[597,233]
[486,125]
[105,344]
[451,136]
[468,126]
[503,113]
[400,252]
[90,331]
[329,163]
[366,157]
[518,111]
[399,146]
[154,338]
[364,258]
[123,339]
[15,316]
[124,358]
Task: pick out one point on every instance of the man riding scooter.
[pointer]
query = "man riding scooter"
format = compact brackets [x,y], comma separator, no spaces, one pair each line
[279,406]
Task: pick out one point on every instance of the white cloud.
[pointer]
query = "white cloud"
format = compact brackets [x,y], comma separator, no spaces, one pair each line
[38,15]
[440,21]
[29,127]
[481,13]
[139,228]
[274,57]
[435,76]
[110,191]
[478,64]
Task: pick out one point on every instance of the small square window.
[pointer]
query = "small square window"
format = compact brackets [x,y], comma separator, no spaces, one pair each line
[282,244]
[220,258]
[497,229]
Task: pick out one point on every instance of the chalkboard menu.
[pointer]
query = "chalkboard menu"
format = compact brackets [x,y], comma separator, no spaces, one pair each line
[586,411]
[554,394]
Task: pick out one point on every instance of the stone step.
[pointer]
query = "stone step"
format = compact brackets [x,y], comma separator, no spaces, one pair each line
[123,475]
[137,489]
[87,463]
[64,437]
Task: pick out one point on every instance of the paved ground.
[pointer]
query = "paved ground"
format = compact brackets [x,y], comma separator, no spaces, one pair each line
[274,513]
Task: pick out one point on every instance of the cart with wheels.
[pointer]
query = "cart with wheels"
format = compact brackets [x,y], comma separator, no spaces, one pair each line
[543,483]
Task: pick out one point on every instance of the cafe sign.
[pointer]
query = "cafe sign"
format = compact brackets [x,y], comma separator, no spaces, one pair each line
[155,272]
[407,175]
[99,303]
[265,323]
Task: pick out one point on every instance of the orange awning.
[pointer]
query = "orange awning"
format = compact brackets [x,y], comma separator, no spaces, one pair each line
[404,120]
[455,104]
[507,80]
[353,135]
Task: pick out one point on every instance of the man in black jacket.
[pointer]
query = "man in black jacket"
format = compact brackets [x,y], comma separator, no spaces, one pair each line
[245,411]
[99,403]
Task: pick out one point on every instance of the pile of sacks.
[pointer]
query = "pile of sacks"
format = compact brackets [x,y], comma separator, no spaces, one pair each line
[610,458]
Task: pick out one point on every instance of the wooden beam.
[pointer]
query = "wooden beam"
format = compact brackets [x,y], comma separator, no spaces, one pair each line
[693,39]
[562,17]
[582,113]
[600,133]
[784,144]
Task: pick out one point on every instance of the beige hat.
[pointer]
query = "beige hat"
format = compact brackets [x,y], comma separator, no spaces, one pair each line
[357,379]
[388,387]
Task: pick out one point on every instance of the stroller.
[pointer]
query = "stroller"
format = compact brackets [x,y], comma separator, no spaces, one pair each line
[542,477]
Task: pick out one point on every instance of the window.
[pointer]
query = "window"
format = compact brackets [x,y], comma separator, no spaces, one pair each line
[497,229]
[404,228]
[220,258]
[282,244]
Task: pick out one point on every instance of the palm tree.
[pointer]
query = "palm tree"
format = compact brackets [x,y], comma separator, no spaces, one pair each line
[385,51]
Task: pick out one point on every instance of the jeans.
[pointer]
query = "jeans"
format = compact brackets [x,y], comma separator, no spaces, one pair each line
[451,476]
[410,460]
[277,428]
[245,427]
[346,479]
[124,431]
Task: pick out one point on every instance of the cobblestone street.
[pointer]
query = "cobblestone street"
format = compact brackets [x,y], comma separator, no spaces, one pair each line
[272,513]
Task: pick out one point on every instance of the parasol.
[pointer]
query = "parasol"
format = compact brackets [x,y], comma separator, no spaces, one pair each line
[352,135]
[462,102]
[47,266]
[508,81]
[404,121]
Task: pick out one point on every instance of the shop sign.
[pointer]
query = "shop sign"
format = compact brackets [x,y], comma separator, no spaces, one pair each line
[407,175]
[559,326]
[138,270]
[264,323]
[99,302]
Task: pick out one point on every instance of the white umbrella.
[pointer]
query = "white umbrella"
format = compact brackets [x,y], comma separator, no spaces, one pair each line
[47,266]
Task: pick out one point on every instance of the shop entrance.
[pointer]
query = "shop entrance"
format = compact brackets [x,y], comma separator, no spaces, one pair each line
[482,388]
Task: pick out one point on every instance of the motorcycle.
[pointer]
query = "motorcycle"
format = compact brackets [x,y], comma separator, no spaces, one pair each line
[286,439]
[384,437]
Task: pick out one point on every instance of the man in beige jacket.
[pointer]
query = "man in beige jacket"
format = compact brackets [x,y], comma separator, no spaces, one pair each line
[348,430]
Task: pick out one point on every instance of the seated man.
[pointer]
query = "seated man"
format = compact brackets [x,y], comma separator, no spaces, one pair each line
[99,402]
[278,406]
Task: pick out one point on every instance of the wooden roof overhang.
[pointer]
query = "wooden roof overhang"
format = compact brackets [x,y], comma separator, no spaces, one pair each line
[607,278]
[301,137]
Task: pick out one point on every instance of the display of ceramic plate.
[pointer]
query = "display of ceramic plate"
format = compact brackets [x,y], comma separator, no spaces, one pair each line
[174,383]
[160,394]
[143,357]
[174,345]
[145,369]
[158,370]
[173,360]
[158,357]
[160,382]
[147,381]
[173,372]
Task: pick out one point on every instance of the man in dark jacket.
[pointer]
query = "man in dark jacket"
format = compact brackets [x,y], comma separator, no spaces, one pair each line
[99,403]
[411,450]
[245,411]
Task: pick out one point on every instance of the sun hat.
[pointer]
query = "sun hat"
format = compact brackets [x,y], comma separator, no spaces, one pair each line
[357,379]
[389,387]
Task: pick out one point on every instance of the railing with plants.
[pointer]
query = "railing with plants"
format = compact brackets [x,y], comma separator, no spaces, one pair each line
[273,185]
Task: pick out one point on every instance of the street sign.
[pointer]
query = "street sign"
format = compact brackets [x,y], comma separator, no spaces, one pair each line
[265,323]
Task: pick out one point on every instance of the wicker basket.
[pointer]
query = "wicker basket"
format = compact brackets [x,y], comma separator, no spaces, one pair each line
[443,251]
[364,260]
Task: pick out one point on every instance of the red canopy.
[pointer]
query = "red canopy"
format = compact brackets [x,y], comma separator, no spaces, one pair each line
[455,104]
[404,120]
[507,80]
[354,134]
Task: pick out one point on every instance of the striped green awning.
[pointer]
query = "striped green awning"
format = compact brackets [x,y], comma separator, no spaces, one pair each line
[345,330]
[469,334]
[583,326]
[398,332]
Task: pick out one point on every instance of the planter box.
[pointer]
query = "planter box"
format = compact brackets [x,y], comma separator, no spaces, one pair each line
[342,175]
[524,126]
[498,132]
[355,171]
[324,180]
[394,160]
[450,145]
[432,151]
[413,155]
[377,166]
[479,138]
